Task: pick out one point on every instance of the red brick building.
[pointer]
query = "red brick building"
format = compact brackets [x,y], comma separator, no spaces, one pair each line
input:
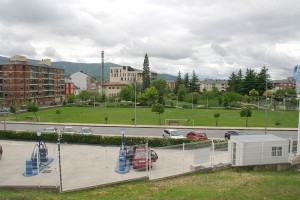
[21,81]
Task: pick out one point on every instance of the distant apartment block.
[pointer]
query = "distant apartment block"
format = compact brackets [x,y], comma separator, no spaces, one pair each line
[284,83]
[81,80]
[22,81]
[208,84]
[126,74]
[171,84]
[69,87]
[111,89]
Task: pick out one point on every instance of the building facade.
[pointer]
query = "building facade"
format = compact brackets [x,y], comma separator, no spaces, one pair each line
[69,87]
[22,81]
[112,89]
[208,84]
[126,74]
[284,83]
[81,80]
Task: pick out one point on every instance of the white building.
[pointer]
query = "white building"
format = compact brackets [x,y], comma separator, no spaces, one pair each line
[246,150]
[81,80]
[208,84]
[126,74]
[112,89]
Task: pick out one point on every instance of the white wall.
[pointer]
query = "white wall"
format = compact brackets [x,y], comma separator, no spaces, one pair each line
[79,79]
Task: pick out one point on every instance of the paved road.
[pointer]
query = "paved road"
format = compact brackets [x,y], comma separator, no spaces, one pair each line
[148,131]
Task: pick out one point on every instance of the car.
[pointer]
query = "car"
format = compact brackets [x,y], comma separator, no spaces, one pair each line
[4,109]
[197,135]
[1,151]
[130,153]
[230,133]
[23,107]
[172,133]
[86,130]
[139,159]
[51,129]
[68,129]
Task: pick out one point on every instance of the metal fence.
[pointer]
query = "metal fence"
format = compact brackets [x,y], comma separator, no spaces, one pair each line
[76,166]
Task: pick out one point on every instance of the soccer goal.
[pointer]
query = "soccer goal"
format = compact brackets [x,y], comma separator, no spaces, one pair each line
[179,122]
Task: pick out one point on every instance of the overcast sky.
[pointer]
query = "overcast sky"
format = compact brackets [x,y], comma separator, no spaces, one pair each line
[212,37]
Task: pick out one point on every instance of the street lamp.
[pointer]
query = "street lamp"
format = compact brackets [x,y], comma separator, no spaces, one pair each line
[38,133]
[266,108]
[134,101]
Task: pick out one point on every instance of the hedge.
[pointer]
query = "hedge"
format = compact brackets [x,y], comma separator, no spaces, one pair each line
[102,140]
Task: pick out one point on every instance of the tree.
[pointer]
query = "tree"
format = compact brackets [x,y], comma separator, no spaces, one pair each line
[178,82]
[161,86]
[13,109]
[58,112]
[158,108]
[186,80]
[71,98]
[150,95]
[216,116]
[84,95]
[246,112]
[181,92]
[263,81]
[127,93]
[146,73]
[33,107]
[253,93]
[194,87]
[235,82]
[192,97]
[250,81]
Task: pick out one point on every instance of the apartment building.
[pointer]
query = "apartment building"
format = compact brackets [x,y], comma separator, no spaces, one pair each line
[69,87]
[208,84]
[22,81]
[127,74]
[284,83]
[81,80]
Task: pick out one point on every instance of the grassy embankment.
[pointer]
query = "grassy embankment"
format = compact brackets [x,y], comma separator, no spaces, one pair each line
[217,185]
[201,117]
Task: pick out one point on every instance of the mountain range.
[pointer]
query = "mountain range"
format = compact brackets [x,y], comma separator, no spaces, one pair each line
[92,69]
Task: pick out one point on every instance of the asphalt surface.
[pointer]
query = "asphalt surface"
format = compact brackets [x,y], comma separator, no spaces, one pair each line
[150,131]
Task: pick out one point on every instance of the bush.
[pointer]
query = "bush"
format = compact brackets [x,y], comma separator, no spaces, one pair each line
[95,139]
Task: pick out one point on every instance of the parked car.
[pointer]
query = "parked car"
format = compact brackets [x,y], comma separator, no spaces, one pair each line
[69,129]
[51,129]
[23,107]
[228,134]
[140,157]
[172,133]
[1,151]
[4,109]
[130,152]
[86,130]
[197,135]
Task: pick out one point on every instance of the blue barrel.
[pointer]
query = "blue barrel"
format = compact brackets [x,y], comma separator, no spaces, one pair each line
[28,167]
[122,163]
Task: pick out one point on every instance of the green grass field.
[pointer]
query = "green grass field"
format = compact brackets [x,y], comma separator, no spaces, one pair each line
[201,117]
[218,185]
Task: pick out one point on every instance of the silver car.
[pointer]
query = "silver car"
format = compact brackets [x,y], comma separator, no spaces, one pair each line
[86,130]
[51,129]
[68,129]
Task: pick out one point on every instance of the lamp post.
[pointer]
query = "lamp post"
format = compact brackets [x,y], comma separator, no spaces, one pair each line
[206,102]
[134,101]
[38,133]
[192,101]
[266,108]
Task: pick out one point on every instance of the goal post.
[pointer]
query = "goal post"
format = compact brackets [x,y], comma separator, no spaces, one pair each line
[178,122]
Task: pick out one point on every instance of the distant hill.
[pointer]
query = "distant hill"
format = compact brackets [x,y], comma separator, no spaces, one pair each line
[93,69]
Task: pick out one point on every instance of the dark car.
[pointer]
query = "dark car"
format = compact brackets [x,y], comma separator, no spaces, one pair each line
[228,134]
[1,151]
[197,135]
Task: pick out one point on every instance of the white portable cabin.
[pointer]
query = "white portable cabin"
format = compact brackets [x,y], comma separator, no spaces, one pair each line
[248,150]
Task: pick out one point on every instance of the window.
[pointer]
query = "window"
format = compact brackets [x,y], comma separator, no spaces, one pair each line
[276,151]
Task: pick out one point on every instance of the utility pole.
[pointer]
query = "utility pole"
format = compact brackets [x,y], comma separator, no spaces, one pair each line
[102,76]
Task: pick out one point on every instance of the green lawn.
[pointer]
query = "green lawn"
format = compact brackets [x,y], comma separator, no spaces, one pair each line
[201,117]
[218,185]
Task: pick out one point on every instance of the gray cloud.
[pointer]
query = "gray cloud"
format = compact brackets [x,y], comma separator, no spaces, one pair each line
[212,37]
